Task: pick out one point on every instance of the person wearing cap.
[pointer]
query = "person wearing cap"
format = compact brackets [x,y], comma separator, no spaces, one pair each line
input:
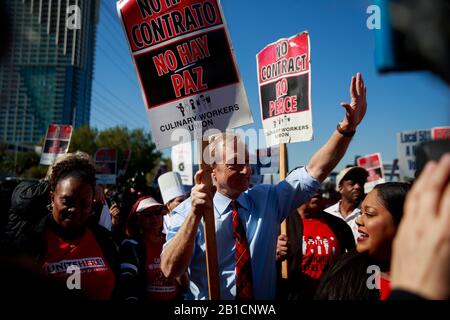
[350,184]
[247,220]
[140,273]
[172,193]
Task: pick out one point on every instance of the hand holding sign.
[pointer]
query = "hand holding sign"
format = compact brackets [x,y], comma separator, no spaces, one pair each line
[202,194]
[282,248]
[356,109]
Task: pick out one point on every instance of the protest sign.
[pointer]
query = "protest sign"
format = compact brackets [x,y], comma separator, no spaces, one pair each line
[284,79]
[285,97]
[440,133]
[186,67]
[407,141]
[106,163]
[182,162]
[374,166]
[57,141]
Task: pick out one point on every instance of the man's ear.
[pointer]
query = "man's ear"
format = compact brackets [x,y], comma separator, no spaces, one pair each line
[213,175]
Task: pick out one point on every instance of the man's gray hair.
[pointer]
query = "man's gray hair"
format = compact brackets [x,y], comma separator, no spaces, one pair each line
[220,142]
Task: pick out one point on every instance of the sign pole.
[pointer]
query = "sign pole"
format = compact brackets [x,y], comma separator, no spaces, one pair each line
[283,173]
[212,264]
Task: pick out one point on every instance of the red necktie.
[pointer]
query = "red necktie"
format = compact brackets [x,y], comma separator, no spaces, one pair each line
[244,290]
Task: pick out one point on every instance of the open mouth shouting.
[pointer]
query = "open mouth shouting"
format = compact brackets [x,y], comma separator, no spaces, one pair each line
[362,235]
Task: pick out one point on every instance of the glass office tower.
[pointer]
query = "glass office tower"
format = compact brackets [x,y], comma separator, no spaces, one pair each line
[46,72]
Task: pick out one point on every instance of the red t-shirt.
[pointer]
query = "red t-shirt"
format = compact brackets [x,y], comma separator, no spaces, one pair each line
[385,288]
[96,277]
[320,247]
[158,286]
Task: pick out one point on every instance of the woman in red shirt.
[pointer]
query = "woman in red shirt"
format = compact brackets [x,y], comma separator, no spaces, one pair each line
[141,275]
[66,245]
[363,274]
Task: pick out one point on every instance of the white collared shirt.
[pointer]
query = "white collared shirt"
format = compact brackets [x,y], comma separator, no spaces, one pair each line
[166,223]
[350,219]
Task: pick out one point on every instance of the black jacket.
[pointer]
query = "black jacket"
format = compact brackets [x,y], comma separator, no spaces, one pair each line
[28,206]
[299,286]
[132,258]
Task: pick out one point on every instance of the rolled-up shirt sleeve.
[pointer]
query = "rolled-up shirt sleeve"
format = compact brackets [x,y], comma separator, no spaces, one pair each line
[175,222]
[298,187]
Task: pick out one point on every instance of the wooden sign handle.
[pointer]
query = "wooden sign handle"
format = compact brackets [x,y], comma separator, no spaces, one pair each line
[212,264]
[283,173]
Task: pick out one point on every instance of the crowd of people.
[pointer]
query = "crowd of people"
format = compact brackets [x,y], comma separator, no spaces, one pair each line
[136,243]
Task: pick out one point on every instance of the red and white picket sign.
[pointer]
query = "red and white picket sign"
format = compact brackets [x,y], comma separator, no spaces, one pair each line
[106,162]
[374,166]
[57,141]
[186,67]
[440,133]
[284,78]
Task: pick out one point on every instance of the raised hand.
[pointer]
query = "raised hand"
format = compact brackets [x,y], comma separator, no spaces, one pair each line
[356,109]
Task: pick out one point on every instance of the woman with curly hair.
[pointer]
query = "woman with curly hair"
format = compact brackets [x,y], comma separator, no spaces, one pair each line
[66,246]
[30,200]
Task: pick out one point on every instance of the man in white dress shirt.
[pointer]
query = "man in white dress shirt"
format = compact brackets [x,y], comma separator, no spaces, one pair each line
[350,184]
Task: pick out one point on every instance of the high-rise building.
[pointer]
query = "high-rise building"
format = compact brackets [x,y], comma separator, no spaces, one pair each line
[46,72]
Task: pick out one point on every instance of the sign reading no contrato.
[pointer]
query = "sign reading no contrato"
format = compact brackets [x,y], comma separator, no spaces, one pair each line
[185,65]
[285,90]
